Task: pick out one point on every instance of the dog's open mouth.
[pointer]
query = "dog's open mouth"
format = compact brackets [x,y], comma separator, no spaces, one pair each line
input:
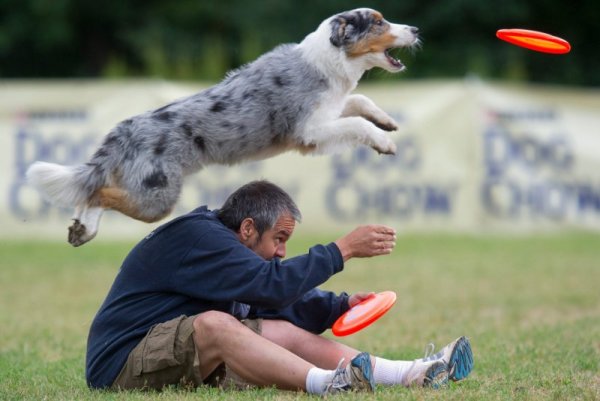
[396,63]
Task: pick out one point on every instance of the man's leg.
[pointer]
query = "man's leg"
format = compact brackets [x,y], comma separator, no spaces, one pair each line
[325,353]
[318,350]
[219,338]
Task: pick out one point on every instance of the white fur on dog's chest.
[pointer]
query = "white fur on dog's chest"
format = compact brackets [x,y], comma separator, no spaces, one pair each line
[330,106]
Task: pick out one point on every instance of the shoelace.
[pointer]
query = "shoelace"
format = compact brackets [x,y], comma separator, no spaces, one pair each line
[429,354]
[429,350]
[339,380]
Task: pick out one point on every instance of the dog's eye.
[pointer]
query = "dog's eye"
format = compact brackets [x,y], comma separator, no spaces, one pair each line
[379,22]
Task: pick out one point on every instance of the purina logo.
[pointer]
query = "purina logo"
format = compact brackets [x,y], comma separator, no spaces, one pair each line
[528,161]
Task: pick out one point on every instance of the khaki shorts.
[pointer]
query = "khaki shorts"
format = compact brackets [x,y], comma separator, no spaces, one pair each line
[168,356]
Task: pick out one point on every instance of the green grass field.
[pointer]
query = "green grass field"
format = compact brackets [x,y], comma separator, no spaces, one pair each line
[530,305]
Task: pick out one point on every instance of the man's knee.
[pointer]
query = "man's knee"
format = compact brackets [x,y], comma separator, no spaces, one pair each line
[211,325]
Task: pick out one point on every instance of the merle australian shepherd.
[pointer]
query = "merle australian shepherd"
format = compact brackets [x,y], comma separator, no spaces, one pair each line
[295,97]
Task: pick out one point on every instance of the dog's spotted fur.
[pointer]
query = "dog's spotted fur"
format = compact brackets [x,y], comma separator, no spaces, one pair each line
[296,97]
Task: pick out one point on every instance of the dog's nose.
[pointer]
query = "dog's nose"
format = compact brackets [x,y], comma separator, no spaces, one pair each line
[414,30]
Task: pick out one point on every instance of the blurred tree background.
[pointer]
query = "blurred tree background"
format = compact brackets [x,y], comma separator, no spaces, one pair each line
[202,39]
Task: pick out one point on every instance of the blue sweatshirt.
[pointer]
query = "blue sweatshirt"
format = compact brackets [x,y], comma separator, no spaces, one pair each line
[193,264]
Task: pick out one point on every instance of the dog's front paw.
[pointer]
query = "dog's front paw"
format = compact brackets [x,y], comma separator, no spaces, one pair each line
[386,125]
[388,148]
[78,234]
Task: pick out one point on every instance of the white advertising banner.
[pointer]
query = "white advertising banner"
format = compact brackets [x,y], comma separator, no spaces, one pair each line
[472,157]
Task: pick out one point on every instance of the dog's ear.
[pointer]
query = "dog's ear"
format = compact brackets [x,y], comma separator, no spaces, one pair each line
[339,24]
[347,28]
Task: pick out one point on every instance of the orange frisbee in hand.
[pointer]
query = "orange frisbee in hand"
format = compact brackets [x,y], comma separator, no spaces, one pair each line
[534,40]
[364,313]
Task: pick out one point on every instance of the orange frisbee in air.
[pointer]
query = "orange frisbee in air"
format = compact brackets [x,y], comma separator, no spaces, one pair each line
[535,40]
[363,314]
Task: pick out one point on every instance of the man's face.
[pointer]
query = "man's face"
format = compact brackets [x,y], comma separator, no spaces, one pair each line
[272,243]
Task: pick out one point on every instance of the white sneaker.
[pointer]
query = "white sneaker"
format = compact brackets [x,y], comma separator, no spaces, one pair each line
[356,376]
[457,355]
[432,374]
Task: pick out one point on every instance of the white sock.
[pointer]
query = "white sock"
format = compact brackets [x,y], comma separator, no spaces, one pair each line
[317,379]
[388,372]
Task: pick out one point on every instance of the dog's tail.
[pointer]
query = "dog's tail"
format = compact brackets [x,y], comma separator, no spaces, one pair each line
[66,186]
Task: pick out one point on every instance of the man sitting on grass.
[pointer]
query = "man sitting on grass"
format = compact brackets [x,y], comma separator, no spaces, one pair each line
[206,299]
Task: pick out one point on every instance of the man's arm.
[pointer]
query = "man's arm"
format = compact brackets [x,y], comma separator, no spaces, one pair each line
[315,311]
[220,268]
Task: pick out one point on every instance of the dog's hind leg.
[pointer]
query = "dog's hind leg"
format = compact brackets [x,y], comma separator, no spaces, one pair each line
[87,218]
[85,224]
[118,199]
[362,106]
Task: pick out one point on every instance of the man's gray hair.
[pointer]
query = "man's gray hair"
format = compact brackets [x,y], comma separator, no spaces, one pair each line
[262,201]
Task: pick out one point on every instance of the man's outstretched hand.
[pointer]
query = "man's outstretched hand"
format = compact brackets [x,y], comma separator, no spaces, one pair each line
[367,241]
